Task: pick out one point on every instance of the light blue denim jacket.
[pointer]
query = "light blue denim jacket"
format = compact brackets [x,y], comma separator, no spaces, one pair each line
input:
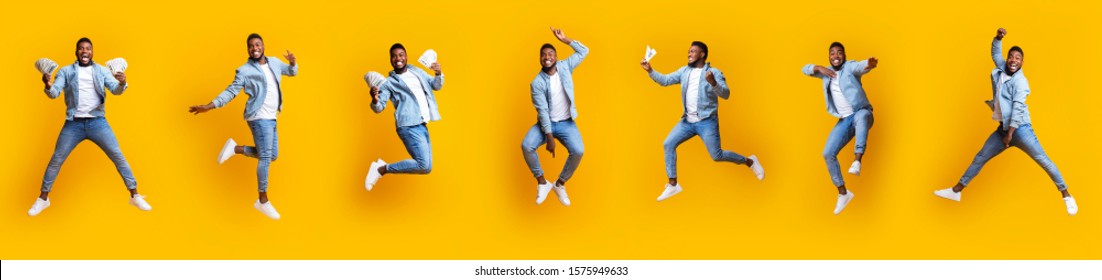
[849,80]
[707,100]
[406,110]
[1014,90]
[541,90]
[66,80]
[250,77]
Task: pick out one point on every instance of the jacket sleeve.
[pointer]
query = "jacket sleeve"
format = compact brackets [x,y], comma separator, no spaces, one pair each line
[437,81]
[858,67]
[288,70]
[1018,109]
[231,91]
[539,100]
[58,86]
[997,53]
[721,88]
[666,80]
[580,51]
[112,83]
[384,95]
[809,70]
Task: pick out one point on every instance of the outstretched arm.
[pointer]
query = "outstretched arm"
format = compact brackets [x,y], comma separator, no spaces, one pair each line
[863,67]
[224,97]
[662,79]
[997,48]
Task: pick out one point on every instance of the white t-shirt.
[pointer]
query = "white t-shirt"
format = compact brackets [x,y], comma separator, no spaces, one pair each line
[560,105]
[414,85]
[692,95]
[270,108]
[997,113]
[840,103]
[87,100]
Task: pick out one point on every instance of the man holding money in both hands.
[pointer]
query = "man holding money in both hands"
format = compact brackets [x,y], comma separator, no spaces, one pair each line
[261,77]
[83,83]
[411,90]
[701,85]
[553,97]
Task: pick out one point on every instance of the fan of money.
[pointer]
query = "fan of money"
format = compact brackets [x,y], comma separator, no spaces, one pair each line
[428,58]
[117,65]
[45,66]
[374,79]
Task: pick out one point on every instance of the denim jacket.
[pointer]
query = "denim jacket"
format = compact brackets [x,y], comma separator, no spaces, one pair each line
[406,110]
[849,80]
[707,99]
[250,77]
[1014,91]
[541,90]
[66,80]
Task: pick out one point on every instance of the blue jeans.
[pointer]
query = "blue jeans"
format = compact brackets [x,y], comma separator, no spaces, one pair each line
[1025,140]
[708,129]
[416,139]
[266,150]
[78,130]
[857,126]
[567,133]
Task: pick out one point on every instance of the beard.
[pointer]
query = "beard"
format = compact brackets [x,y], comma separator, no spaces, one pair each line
[839,67]
[553,64]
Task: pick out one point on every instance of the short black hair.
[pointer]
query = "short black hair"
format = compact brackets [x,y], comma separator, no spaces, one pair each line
[1015,49]
[547,46]
[83,40]
[839,45]
[396,46]
[253,36]
[703,47]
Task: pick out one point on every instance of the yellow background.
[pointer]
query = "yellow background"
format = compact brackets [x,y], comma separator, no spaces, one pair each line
[478,202]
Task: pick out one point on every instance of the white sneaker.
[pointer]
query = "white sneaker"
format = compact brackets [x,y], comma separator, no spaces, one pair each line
[373,174]
[38,206]
[948,194]
[541,192]
[670,191]
[756,167]
[139,201]
[267,209]
[560,191]
[1069,201]
[843,200]
[855,168]
[227,151]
